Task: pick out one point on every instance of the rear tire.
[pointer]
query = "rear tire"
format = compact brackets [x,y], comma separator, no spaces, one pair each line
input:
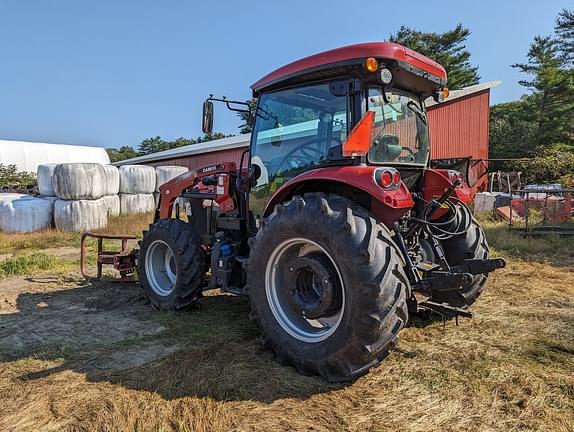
[171,265]
[470,245]
[364,322]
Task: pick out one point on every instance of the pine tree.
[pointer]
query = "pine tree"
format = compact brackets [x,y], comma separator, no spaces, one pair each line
[248,118]
[552,92]
[152,145]
[565,36]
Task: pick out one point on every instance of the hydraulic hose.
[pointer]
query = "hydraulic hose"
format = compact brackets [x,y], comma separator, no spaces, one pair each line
[457,222]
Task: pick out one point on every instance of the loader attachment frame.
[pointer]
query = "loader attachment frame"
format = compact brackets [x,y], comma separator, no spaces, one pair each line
[123,261]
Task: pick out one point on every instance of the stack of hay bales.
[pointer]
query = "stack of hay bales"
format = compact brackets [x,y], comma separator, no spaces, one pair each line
[24,213]
[165,174]
[80,188]
[81,196]
[137,185]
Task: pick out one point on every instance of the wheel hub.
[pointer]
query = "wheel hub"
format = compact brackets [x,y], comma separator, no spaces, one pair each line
[312,283]
[305,290]
[161,270]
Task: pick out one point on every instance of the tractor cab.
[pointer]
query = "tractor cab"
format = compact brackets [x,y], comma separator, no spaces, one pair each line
[309,112]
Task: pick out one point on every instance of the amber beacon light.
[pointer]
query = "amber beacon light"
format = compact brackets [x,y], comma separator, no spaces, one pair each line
[371,64]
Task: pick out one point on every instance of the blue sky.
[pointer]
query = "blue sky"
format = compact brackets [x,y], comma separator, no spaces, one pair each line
[112,73]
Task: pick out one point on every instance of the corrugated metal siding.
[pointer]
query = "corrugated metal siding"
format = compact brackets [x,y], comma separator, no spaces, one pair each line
[205,159]
[460,129]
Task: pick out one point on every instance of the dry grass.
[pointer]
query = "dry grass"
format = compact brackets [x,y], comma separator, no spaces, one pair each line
[559,250]
[511,368]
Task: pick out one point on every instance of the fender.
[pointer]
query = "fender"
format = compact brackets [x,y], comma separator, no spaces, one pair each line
[387,205]
[435,183]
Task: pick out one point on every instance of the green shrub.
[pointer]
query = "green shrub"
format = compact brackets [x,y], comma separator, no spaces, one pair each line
[10,176]
[551,166]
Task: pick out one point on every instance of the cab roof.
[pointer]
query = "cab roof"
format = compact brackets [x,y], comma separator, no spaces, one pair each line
[406,58]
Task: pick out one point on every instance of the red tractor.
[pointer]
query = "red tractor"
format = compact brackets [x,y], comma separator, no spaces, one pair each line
[333,224]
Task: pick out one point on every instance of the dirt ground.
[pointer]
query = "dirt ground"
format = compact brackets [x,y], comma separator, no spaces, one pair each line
[77,355]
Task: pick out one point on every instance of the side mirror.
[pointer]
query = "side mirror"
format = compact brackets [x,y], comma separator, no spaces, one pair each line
[207,124]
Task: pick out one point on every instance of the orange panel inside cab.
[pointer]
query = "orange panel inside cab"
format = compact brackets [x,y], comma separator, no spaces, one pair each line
[359,140]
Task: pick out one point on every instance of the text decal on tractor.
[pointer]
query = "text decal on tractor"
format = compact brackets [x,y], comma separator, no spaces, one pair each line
[333,224]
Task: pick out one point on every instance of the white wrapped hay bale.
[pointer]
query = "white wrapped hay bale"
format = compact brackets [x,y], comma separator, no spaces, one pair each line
[156,198]
[80,215]
[25,214]
[44,174]
[166,173]
[112,180]
[137,179]
[112,204]
[136,203]
[9,196]
[79,181]
[52,200]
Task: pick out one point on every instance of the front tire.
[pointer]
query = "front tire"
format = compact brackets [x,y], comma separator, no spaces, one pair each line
[171,265]
[327,287]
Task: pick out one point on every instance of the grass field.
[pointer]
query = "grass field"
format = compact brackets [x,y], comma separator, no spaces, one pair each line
[77,355]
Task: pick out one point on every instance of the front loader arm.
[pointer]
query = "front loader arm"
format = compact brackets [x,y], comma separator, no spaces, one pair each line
[214,181]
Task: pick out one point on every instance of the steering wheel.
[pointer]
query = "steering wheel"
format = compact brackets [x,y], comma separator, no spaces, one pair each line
[307,154]
[388,148]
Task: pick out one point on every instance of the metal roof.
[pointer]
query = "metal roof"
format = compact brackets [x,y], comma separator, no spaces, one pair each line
[466,91]
[243,140]
[192,149]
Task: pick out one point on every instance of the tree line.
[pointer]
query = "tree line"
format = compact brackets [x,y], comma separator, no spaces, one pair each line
[157,144]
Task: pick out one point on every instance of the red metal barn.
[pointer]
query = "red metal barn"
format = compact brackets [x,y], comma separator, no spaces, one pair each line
[458,132]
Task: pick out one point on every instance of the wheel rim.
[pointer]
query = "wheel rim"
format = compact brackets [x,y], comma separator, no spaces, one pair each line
[160,268]
[280,294]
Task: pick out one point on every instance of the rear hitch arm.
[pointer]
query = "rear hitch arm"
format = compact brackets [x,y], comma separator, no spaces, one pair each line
[457,277]
[479,266]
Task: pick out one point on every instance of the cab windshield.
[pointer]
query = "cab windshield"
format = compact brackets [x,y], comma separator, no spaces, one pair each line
[295,130]
[400,133]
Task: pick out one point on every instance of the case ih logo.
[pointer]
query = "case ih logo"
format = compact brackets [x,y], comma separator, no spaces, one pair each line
[212,168]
